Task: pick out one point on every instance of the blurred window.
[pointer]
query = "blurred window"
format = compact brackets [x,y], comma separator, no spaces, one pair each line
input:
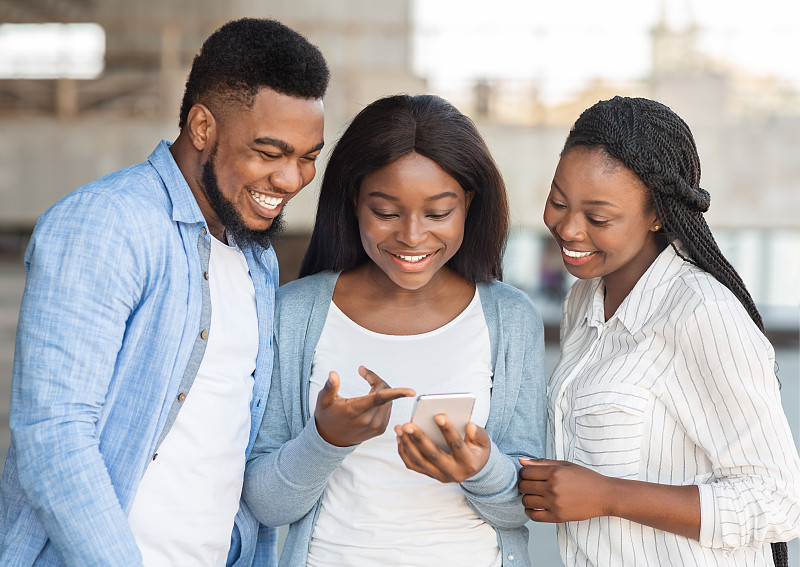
[52,51]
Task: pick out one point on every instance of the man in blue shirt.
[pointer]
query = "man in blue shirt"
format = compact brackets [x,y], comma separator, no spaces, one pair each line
[143,354]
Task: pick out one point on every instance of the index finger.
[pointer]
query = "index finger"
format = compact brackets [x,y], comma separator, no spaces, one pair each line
[390,394]
[537,462]
[533,469]
[379,388]
[454,439]
[372,379]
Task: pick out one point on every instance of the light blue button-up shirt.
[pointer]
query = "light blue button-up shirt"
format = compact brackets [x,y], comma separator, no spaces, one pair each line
[110,335]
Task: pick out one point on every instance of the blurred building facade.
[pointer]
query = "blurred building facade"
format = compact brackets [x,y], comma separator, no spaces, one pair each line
[747,130]
[58,134]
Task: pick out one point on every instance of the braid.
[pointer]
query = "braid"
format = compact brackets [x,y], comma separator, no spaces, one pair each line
[693,232]
[656,144]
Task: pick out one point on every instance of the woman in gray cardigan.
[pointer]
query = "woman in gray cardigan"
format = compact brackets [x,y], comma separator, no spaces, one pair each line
[400,285]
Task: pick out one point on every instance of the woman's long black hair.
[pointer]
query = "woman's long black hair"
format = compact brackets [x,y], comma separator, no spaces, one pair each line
[384,131]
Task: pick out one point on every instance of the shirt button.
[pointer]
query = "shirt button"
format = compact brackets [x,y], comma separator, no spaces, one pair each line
[511,557]
[205,275]
[181,397]
[203,230]
[204,335]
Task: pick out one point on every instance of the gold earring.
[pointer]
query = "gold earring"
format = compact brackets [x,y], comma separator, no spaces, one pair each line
[657,227]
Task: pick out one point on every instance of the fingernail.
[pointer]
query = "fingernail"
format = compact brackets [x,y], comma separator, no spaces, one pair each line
[439,419]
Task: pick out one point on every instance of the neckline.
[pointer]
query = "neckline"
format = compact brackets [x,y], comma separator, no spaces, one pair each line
[474,303]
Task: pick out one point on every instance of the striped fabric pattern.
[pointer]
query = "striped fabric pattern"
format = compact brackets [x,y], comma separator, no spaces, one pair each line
[677,387]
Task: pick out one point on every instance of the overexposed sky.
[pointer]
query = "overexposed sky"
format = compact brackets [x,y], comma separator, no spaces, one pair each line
[565,43]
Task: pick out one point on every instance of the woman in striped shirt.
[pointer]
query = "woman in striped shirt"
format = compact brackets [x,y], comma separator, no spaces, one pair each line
[671,443]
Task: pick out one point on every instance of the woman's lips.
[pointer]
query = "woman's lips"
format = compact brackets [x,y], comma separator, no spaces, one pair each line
[412,262]
[576,257]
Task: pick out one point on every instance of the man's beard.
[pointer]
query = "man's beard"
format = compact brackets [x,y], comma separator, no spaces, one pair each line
[230,217]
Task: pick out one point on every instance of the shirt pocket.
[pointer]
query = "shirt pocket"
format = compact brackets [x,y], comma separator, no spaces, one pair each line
[609,424]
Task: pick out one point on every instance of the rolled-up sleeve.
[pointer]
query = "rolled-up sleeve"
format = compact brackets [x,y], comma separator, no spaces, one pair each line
[753,496]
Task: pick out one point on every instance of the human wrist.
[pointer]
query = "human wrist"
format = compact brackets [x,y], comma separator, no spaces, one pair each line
[612,492]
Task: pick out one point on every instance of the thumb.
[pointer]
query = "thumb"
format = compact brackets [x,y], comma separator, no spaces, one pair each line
[330,391]
[477,435]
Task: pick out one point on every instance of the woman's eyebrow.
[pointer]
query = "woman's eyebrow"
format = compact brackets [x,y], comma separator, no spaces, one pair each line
[442,196]
[592,202]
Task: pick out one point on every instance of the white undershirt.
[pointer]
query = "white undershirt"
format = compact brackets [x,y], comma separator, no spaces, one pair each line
[184,508]
[374,510]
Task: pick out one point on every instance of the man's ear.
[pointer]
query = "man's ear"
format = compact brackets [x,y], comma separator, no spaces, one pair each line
[201,126]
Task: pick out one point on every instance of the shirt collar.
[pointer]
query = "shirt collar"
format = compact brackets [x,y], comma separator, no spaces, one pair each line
[184,205]
[595,314]
[645,296]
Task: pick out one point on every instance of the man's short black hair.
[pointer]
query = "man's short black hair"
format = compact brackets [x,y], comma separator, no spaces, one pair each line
[246,55]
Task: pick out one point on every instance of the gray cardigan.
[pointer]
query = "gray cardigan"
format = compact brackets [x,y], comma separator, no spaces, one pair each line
[290,463]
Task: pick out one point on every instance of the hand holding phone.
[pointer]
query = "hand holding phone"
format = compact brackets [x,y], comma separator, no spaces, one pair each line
[457,408]
[424,453]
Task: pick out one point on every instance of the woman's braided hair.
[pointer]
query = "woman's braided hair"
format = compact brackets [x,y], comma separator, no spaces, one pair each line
[651,140]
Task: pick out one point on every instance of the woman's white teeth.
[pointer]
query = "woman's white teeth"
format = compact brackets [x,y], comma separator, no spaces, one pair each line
[573,254]
[265,201]
[412,259]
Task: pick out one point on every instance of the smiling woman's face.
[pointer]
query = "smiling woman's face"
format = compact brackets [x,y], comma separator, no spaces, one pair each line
[601,218]
[411,216]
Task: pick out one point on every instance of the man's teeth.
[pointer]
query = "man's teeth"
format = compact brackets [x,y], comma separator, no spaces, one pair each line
[265,201]
[573,254]
[412,259]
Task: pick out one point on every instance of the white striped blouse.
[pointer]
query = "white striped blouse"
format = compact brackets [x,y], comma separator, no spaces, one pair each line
[677,387]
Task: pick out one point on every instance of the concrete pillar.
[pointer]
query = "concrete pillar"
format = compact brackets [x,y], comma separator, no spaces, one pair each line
[170,72]
[66,98]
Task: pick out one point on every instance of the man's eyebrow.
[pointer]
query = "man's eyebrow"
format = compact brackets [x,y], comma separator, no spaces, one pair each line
[283,146]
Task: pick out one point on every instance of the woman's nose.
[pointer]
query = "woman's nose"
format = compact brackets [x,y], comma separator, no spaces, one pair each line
[570,228]
[412,231]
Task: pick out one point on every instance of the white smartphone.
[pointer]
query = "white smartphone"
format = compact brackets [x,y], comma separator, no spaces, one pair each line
[457,408]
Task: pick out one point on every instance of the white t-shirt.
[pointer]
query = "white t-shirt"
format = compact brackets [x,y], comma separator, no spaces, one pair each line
[374,510]
[184,508]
